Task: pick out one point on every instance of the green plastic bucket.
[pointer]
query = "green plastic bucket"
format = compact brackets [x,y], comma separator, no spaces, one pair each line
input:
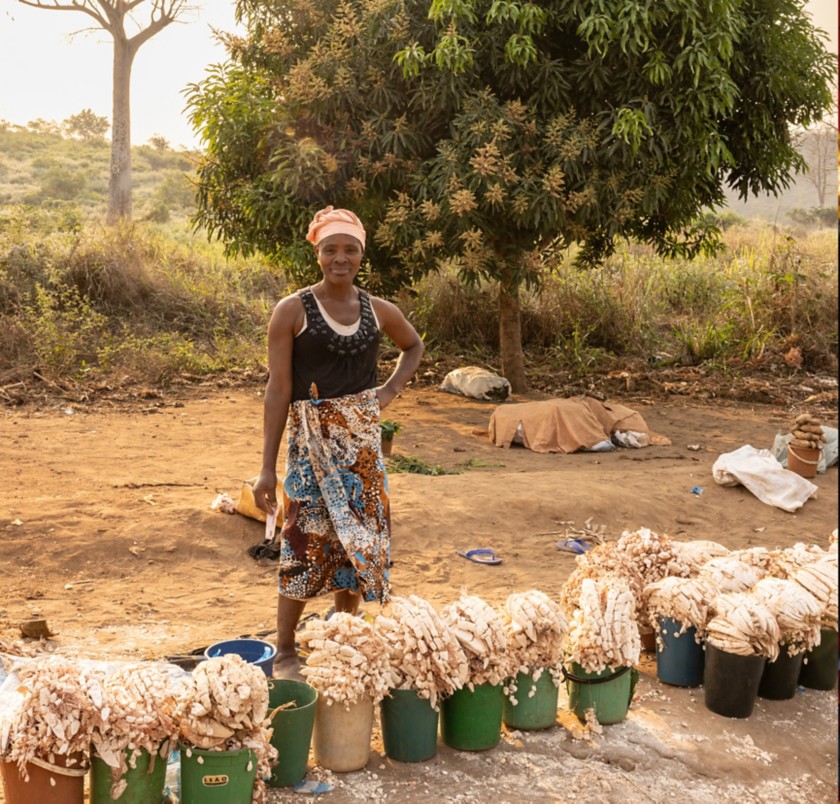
[608,692]
[217,777]
[819,666]
[472,720]
[292,729]
[532,712]
[409,726]
[142,785]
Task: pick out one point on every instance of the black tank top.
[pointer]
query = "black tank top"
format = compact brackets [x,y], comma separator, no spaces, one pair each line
[337,364]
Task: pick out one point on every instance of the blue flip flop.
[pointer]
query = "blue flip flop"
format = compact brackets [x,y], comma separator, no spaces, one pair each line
[481,555]
[577,546]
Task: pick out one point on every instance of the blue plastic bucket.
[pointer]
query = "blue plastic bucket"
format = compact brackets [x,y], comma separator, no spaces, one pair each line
[254,651]
[680,660]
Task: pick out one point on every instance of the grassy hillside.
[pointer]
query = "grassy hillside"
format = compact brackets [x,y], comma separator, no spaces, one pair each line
[37,166]
[152,301]
[43,167]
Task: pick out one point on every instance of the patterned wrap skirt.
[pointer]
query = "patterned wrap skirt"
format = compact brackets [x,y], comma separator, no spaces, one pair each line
[337,531]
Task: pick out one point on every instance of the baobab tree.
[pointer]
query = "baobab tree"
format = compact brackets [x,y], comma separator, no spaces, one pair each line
[112,16]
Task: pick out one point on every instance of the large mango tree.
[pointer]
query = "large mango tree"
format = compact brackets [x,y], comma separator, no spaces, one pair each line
[479,133]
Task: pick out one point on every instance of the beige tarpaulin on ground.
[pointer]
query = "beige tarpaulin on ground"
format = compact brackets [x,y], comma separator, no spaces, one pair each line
[566,425]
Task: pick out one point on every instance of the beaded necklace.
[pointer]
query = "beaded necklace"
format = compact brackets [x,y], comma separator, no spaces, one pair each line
[354,344]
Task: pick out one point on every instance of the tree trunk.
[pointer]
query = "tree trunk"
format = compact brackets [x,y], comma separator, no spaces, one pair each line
[510,337]
[119,189]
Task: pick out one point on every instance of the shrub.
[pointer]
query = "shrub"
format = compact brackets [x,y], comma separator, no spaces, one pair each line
[159,212]
[175,190]
[61,183]
[159,143]
[814,217]
[66,331]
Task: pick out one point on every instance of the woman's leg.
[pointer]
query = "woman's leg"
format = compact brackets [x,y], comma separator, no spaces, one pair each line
[286,663]
[348,601]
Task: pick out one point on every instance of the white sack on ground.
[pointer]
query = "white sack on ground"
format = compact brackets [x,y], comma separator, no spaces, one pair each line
[764,476]
[476,382]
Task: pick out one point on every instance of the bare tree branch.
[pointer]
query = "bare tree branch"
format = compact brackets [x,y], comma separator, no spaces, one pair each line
[71,6]
[163,13]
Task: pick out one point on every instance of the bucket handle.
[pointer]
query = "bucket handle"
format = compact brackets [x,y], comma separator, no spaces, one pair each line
[567,676]
[804,460]
[283,707]
[57,769]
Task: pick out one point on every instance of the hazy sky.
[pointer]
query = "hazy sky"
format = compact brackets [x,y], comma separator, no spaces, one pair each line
[48,73]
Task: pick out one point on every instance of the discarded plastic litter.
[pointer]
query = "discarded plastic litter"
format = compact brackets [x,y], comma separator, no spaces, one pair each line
[312,786]
[698,490]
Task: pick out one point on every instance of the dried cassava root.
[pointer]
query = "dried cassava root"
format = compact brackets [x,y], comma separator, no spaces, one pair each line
[425,655]
[639,557]
[603,631]
[348,661]
[225,709]
[56,715]
[139,710]
[479,629]
[535,627]
[686,600]
[820,579]
[796,611]
[744,626]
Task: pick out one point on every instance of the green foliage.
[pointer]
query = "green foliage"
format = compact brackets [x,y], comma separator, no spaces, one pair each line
[724,219]
[132,302]
[65,330]
[87,126]
[159,213]
[125,301]
[61,183]
[410,464]
[79,170]
[389,428]
[159,143]
[175,190]
[41,126]
[481,132]
[764,291]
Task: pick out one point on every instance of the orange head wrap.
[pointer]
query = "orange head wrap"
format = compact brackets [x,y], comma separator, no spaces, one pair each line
[329,221]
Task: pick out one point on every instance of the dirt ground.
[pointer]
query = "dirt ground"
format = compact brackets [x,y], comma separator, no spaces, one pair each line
[107,532]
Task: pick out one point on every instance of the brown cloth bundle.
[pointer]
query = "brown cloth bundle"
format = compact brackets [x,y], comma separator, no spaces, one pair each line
[566,425]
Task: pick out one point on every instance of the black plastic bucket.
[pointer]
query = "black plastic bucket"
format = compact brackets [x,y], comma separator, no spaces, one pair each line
[819,667]
[730,682]
[780,678]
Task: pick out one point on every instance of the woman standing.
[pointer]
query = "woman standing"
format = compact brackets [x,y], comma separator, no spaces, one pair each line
[323,345]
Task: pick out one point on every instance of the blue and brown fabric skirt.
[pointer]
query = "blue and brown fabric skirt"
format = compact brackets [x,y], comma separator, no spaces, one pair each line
[337,531]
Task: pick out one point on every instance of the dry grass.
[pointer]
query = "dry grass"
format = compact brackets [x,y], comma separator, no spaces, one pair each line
[769,291]
[151,302]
